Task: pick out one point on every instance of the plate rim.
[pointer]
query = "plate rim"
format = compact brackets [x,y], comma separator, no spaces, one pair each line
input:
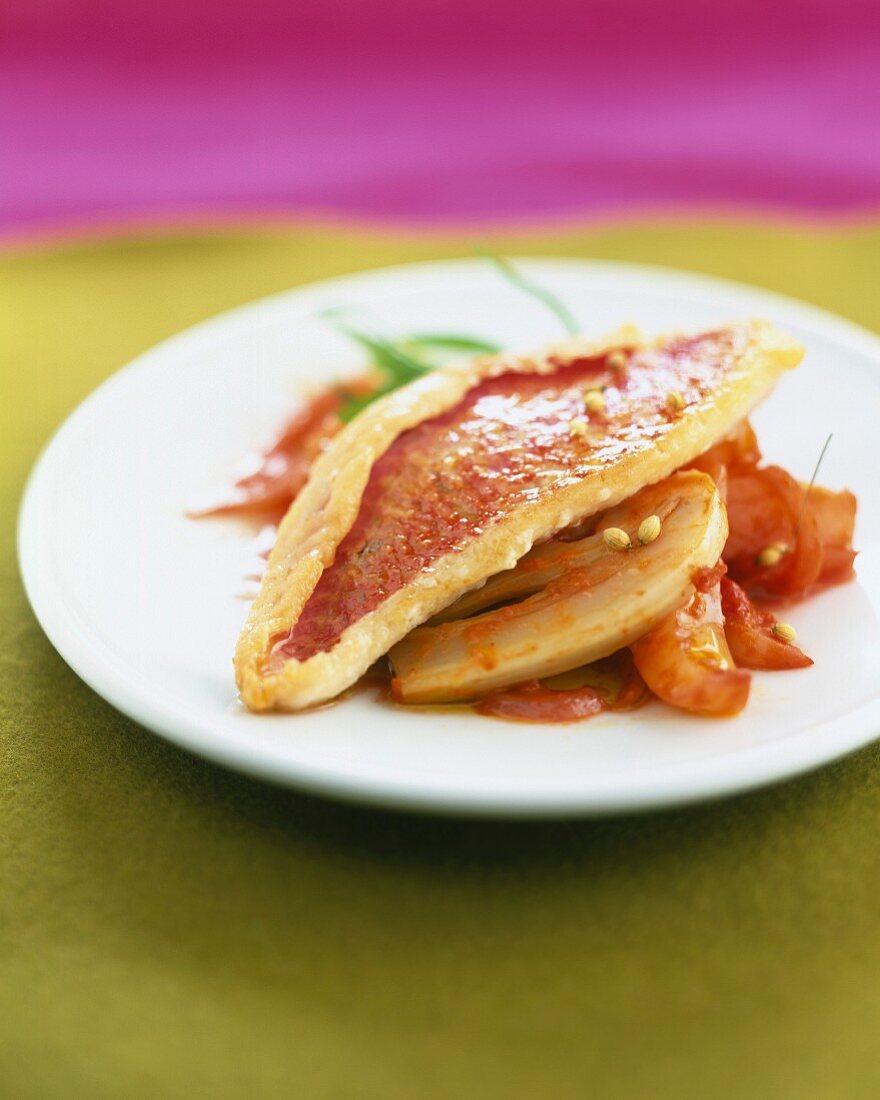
[697,781]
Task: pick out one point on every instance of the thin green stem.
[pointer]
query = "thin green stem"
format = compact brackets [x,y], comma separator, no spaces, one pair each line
[809,489]
[549,300]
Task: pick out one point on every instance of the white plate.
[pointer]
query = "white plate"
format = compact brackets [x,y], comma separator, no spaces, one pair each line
[144,604]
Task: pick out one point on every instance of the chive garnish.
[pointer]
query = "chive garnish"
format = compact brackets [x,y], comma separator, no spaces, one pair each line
[404,360]
[399,361]
[542,294]
[819,461]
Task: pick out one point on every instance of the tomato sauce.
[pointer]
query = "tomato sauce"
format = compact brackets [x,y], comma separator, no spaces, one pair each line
[507,443]
[750,634]
[705,578]
[284,468]
[613,683]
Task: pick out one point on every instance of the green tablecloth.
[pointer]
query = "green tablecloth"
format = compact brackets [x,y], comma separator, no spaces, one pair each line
[170,929]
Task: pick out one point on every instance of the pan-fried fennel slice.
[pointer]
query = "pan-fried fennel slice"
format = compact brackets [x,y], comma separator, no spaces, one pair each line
[548,562]
[603,599]
[453,478]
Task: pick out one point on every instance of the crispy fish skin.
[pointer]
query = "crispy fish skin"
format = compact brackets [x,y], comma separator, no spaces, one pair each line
[757,355]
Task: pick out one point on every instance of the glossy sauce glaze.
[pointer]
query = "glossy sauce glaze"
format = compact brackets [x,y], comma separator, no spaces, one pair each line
[283,470]
[507,443]
[612,684]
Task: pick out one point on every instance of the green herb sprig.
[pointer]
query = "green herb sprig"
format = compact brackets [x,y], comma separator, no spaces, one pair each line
[549,300]
[815,474]
[439,347]
[400,361]
[404,360]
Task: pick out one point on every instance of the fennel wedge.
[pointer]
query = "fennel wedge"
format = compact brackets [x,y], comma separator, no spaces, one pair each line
[593,600]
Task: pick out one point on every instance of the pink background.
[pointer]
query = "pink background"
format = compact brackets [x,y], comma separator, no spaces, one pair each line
[430,111]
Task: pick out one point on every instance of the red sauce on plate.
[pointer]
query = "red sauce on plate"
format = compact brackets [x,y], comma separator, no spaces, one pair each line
[613,683]
[284,468]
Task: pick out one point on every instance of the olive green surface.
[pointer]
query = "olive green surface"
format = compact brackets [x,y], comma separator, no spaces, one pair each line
[170,929]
